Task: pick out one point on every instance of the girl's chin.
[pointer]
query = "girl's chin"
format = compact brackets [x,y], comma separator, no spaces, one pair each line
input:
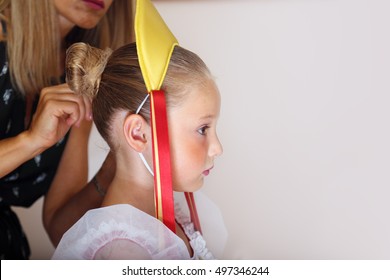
[193,188]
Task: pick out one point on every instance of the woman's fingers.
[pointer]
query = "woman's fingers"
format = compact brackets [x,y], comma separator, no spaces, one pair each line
[58,109]
[88,108]
[64,93]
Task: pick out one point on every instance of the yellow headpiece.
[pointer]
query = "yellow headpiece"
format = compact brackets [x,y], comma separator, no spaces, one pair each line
[155,44]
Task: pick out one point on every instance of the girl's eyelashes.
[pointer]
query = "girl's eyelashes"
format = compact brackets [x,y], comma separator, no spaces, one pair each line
[203,130]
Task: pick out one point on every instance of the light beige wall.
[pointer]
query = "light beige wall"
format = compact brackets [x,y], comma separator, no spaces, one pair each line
[304,123]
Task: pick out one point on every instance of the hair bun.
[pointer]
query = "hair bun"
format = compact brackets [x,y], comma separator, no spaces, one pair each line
[84,68]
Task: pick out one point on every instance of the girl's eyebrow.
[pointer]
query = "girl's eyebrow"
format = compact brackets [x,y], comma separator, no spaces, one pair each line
[210,116]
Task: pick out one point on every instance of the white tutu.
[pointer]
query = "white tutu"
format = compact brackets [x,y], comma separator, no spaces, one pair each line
[124,232]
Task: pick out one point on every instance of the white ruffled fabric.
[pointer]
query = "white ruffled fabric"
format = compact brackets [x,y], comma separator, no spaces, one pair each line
[98,227]
[197,242]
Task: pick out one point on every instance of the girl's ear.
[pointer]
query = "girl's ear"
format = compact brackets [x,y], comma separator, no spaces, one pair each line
[135,129]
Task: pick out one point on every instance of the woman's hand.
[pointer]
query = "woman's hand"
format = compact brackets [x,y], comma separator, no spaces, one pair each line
[58,109]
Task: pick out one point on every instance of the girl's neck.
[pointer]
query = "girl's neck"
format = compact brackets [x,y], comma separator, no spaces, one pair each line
[134,185]
[131,190]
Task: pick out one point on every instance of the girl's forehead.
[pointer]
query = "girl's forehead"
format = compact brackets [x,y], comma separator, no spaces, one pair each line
[201,100]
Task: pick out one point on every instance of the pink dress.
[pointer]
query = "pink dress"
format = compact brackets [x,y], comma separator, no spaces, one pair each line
[125,232]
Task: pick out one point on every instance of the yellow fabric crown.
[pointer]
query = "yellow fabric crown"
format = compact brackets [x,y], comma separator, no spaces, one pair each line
[155,44]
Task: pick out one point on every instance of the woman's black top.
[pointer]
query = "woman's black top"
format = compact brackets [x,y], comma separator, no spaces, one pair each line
[31,180]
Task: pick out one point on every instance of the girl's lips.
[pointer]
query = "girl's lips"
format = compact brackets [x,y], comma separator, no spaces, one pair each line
[207,172]
[95,4]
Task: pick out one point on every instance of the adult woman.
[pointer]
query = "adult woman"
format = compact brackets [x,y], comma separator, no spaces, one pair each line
[44,127]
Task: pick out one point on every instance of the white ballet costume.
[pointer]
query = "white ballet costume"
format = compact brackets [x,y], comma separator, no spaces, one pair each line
[124,232]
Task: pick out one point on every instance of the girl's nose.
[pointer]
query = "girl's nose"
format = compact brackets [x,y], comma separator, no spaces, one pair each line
[216,148]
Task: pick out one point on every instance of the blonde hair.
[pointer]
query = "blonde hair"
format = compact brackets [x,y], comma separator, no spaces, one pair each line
[34,45]
[117,84]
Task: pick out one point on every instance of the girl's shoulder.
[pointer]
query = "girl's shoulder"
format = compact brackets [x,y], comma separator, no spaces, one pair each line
[122,249]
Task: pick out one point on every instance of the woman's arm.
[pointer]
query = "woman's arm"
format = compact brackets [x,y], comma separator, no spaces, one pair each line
[16,150]
[70,196]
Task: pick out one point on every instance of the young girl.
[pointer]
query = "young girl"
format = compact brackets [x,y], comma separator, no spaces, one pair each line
[125,227]
[142,95]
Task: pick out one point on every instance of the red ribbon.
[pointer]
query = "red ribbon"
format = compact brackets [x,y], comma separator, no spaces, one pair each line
[161,160]
[162,166]
[193,212]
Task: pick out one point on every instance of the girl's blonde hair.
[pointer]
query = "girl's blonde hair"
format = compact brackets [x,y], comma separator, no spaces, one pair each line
[34,45]
[114,80]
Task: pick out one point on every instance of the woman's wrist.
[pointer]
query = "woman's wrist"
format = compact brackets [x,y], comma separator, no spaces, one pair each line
[15,151]
[29,144]
[103,178]
[99,189]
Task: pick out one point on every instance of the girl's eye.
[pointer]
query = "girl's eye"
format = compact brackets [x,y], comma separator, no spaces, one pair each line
[203,130]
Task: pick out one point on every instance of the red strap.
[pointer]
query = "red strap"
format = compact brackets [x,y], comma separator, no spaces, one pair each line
[161,160]
[193,212]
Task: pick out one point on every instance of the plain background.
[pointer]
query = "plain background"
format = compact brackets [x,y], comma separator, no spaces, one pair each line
[304,124]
